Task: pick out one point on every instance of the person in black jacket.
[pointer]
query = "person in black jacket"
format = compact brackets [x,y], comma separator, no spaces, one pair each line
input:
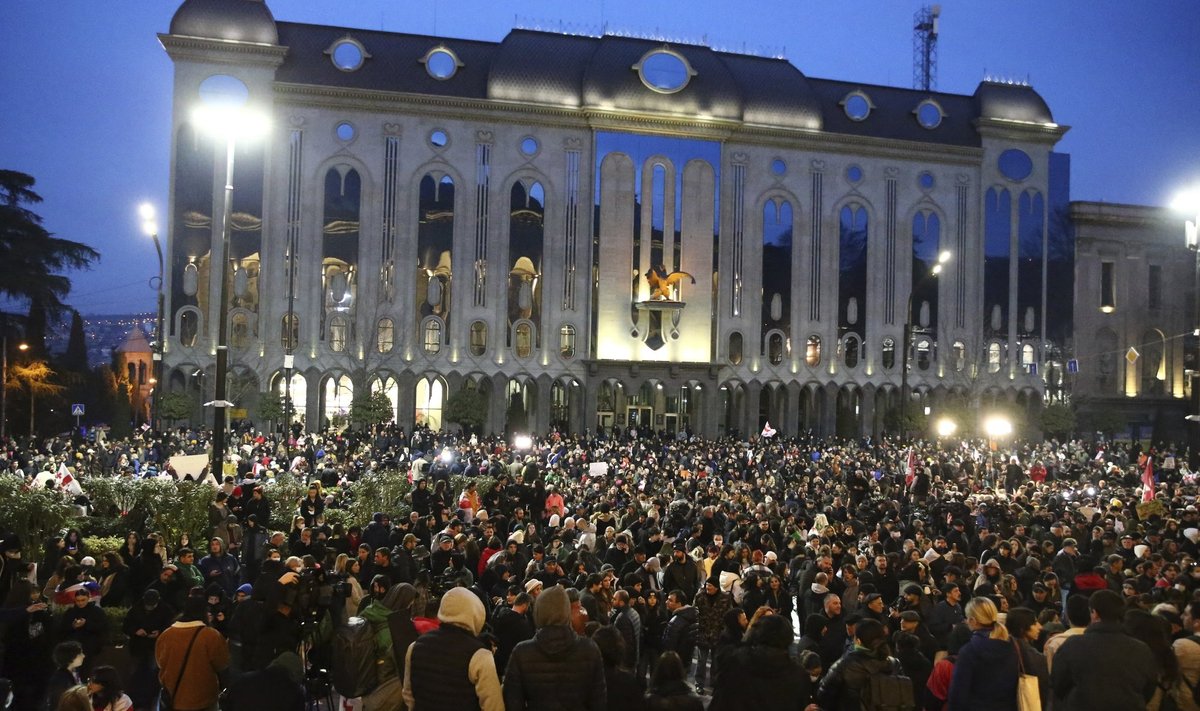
[279,686]
[624,689]
[1103,667]
[512,626]
[86,624]
[668,687]
[143,623]
[68,657]
[683,628]
[557,668]
[843,685]
[761,674]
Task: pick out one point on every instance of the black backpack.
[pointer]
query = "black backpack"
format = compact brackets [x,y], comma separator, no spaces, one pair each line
[354,671]
[888,692]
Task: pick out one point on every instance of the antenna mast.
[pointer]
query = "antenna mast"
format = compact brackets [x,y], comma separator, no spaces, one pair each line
[925,36]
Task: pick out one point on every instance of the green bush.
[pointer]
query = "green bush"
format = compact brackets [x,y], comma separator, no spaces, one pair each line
[116,618]
[97,546]
[284,492]
[33,514]
[381,491]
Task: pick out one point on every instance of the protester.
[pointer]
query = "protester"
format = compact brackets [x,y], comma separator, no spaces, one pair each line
[1104,667]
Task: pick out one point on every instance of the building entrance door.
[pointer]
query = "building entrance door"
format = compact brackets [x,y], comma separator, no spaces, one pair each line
[640,416]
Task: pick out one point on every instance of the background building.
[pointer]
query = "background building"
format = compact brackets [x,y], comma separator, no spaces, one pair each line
[429,214]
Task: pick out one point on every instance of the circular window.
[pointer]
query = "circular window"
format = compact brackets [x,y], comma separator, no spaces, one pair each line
[529,145]
[1015,164]
[347,55]
[439,139]
[778,167]
[854,174]
[441,63]
[929,114]
[664,71]
[857,106]
[223,90]
[345,131]
[925,180]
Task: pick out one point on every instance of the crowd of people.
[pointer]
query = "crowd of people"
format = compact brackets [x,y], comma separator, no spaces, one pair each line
[622,571]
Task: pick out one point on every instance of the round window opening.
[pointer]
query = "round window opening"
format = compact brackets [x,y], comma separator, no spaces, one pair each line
[929,114]
[778,167]
[925,180]
[345,131]
[223,90]
[857,106]
[664,71]
[439,139]
[529,145]
[441,64]
[1015,164]
[347,56]
[854,174]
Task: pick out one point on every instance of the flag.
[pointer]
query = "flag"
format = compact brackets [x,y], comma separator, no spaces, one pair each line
[910,472]
[1148,480]
[767,431]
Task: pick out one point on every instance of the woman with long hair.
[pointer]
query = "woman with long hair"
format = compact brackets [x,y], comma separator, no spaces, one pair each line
[668,687]
[347,568]
[114,581]
[1155,632]
[133,546]
[654,622]
[105,689]
[1024,628]
[985,676]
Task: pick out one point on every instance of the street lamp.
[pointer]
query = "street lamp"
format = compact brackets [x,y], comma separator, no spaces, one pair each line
[942,259]
[946,427]
[4,381]
[228,123]
[150,229]
[1188,203]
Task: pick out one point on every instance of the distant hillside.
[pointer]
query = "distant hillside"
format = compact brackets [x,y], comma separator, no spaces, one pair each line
[104,332]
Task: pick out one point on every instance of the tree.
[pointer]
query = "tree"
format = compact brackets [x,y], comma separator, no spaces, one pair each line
[467,407]
[176,406]
[1058,420]
[31,259]
[75,358]
[122,412]
[270,407]
[370,409]
[36,379]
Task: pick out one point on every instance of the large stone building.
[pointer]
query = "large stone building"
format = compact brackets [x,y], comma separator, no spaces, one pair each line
[429,213]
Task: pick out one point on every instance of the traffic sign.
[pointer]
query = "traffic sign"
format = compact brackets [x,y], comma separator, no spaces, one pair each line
[77,410]
[1073,366]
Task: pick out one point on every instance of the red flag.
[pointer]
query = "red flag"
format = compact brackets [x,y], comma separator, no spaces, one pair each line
[1148,480]
[910,473]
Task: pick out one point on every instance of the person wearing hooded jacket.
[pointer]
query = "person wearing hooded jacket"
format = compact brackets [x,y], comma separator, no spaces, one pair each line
[843,685]
[761,674]
[557,669]
[449,667]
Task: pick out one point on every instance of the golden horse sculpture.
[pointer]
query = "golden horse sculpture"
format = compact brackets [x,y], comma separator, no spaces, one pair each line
[661,282]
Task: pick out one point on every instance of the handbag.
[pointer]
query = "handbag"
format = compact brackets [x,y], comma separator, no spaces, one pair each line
[1029,697]
[166,701]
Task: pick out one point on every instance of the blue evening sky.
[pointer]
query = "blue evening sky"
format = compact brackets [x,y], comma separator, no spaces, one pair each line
[86,88]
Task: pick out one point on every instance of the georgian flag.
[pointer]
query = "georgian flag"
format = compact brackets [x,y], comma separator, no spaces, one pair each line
[910,471]
[1148,480]
[767,431]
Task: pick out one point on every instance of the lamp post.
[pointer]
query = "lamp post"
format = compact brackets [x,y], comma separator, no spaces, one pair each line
[228,123]
[936,269]
[1188,203]
[4,381]
[150,228]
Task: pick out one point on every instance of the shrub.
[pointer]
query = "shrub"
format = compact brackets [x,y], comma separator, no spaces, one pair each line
[33,514]
[99,545]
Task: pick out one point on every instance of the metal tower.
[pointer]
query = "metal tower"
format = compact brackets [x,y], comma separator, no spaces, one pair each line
[925,35]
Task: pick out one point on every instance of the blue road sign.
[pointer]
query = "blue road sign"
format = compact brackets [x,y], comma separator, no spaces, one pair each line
[77,410]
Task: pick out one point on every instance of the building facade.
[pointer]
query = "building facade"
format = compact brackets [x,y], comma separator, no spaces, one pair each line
[606,231]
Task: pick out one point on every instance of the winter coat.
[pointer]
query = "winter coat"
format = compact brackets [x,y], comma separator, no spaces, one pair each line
[711,611]
[985,675]
[1103,668]
[556,670]
[682,632]
[675,696]
[843,685]
[757,677]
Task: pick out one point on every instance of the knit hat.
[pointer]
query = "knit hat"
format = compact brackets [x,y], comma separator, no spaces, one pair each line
[461,607]
[245,588]
[553,607]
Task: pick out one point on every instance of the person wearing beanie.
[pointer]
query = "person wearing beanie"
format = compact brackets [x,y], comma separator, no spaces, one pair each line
[557,668]
[711,604]
[197,686]
[449,667]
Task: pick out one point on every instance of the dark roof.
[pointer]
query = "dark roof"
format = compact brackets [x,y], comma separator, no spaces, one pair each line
[892,115]
[240,20]
[774,92]
[1016,102]
[556,82]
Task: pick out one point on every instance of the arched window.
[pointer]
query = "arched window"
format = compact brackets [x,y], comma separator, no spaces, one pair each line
[994,357]
[141,373]
[189,327]
[566,341]
[433,280]
[960,356]
[775,348]
[479,335]
[385,338]
[924,353]
[888,352]
[132,377]
[429,396]
[432,338]
[239,330]
[1027,355]
[735,348]
[523,340]
[339,393]
[337,334]
[850,351]
[289,337]
[812,351]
